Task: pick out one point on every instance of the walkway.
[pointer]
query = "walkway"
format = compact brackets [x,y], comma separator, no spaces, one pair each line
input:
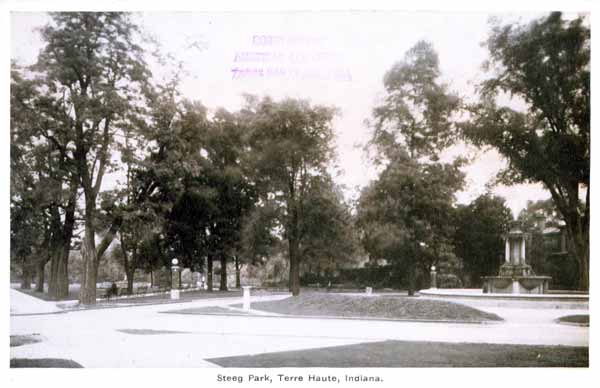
[95,338]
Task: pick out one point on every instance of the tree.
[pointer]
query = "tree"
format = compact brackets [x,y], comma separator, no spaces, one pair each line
[478,240]
[536,211]
[416,112]
[545,64]
[412,126]
[42,178]
[406,216]
[187,227]
[93,66]
[228,177]
[259,235]
[291,142]
[330,239]
[26,232]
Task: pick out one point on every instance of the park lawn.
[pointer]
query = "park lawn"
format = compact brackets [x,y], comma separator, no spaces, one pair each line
[414,354]
[43,363]
[409,308]
[582,319]
[20,340]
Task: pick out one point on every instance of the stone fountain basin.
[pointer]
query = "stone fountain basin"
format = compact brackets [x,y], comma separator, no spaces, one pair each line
[529,284]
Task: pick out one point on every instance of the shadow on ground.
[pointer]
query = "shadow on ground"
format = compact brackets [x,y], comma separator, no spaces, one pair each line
[43,363]
[399,354]
[20,340]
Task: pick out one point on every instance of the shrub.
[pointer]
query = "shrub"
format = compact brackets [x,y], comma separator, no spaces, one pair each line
[385,276]
[448,281]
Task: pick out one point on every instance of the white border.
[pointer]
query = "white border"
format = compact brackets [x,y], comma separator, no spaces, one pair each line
[90,378]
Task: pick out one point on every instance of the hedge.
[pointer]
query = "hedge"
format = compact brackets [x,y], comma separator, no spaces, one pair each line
[377,277]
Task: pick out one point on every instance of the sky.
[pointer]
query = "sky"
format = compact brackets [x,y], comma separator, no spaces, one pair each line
[336,58]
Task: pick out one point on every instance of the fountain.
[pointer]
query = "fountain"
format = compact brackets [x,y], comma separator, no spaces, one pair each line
[515,275]
[516,286]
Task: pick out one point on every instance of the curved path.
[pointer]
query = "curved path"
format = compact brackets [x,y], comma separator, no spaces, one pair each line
[141,336]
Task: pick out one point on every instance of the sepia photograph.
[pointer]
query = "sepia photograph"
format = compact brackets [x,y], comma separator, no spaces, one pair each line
[264,192]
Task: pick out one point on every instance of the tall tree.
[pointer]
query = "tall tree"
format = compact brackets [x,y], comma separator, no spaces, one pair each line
[292,142]
[417,108]
[92,62]
[412,126]
[41,166]
[228,176]
[546,65]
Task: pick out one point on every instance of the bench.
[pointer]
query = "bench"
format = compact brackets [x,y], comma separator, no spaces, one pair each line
[142,290]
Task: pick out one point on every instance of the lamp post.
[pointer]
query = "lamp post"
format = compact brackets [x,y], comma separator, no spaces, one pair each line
[175,285]
[433,277]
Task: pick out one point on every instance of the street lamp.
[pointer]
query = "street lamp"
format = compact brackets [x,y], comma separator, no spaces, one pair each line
[433,277]
[175,285]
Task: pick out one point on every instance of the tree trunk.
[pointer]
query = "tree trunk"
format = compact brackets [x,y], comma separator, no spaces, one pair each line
[63,272]
[209,273]
[39,283]
[55,245]
[58,284]
[294,267]
[130,273]
[58,287]
[151,279]
[238,283]
[87,294]
[580,249]
[411,278]
[223,285]
[25,276]
[577,228]
[55,255]
[128,266]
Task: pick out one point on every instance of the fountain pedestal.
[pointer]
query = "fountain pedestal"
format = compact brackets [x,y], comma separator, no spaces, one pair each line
[515,275]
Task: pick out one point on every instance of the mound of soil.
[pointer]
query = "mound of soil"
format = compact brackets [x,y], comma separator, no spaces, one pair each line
[337,305]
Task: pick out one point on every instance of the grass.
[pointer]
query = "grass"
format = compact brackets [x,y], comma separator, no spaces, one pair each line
[399,354]
[583,319]
[19,340]
[336,305]
[43,363]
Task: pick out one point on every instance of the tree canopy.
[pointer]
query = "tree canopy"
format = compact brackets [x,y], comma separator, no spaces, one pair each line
[478,239]
[204,184]
[545,64]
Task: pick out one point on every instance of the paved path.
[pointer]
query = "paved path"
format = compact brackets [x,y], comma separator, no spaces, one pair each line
[21,303]
[92,338]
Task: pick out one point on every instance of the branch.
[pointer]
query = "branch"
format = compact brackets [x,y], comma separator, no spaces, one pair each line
[108,238]
[103,156]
